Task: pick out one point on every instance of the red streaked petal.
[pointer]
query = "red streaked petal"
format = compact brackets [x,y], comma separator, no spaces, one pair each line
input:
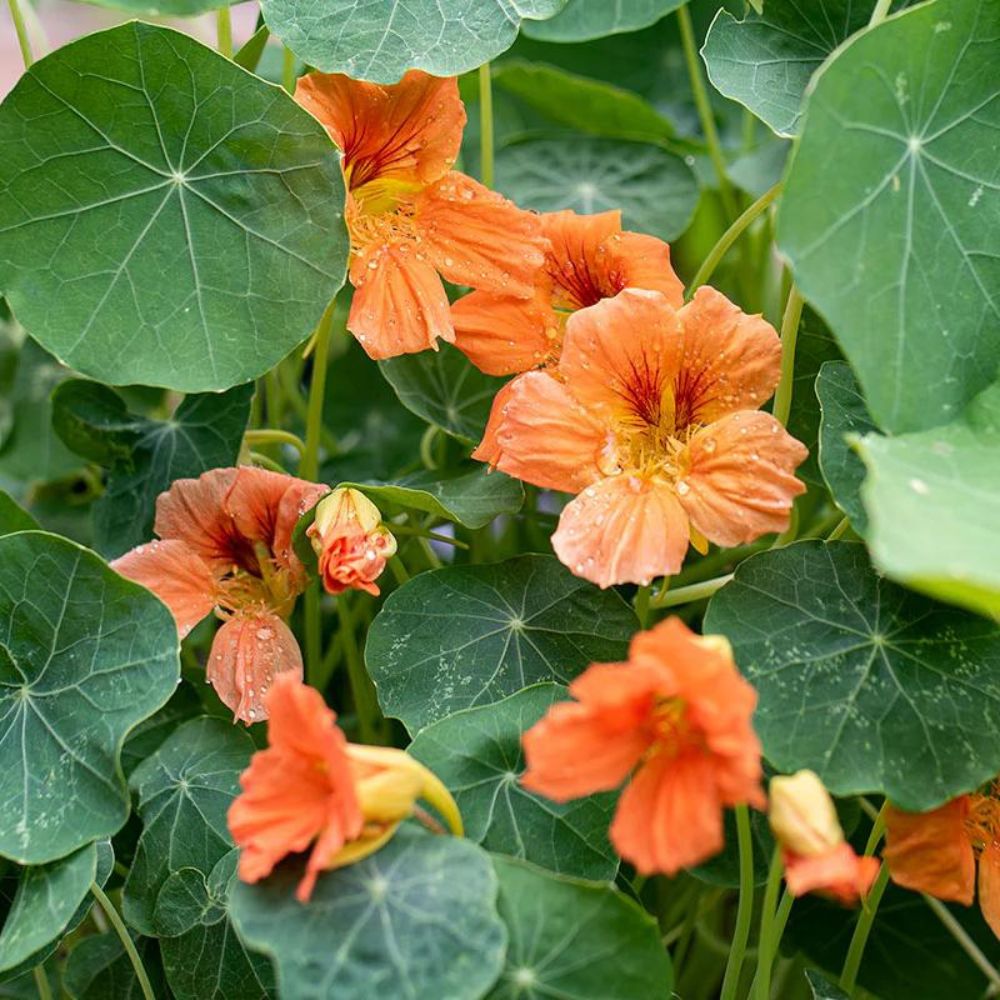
[194,511]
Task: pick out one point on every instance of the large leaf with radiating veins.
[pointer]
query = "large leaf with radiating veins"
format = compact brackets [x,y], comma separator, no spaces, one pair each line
[477,754]
[655,190]
[766,60]
[145,456]
[472,499]
[892,205]
[184,791]
[381,40]
[576,940]
[873,687]
[443,387]
[85,655]
[933,500]
[13,517]
[176,221]
[98,968]
[470,635]
[822,989]
[581,20]
[844,414]
[203,955]
[416,919]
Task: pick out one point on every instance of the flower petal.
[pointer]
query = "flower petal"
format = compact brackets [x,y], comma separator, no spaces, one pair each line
[740,483]
[575,262]
[179,577]
[989,885]
[839,873]
[248,653]
[669,817]
[545,437]
[635,260]
[477,237]
[409,131]
[732,361]
[930,852]
[400,305]
[502,335]
[623,530]
[620,357]
[489,449]
[193,511]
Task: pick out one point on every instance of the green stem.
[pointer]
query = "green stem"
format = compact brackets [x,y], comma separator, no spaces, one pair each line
[309,466]
[705,111]
[126,939]
[856,949]
[765,949]
[42,983]
[839,529]
[403,529]
[22,32]
[642,600]
[880,12]
[789,336]
[267,463]
[765,965]
[963,940]
[694,592]
[730,236]
[362,690]
[744,909]
[486,124]
[426,443]
[268,435]
[224,31]
[288,70]
[877,830]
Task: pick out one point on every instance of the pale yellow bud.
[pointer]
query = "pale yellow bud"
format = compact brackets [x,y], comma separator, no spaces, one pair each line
[802,815]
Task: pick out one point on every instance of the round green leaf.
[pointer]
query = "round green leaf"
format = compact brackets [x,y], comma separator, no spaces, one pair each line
[934,504]
[655,190]
[13,517]
[184,792]
[844,413]
[585,19]
[472,499]
[98,969]
[470,635]
[176,221]
[85,655]
[477,754]
[891,209]
[873,687]
[381,41]
[443,387]
[576,940]
[416,919]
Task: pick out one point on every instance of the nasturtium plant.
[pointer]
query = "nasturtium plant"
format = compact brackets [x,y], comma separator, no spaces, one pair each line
[499,500]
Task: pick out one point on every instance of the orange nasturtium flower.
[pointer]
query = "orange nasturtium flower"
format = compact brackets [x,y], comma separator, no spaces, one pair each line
[225,544]
[411,218]
[674,723]
[935,852]
[310,786]
[816,856]
[350,541]
[650,417]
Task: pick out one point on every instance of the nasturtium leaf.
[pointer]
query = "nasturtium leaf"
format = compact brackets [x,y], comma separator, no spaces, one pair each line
[724,868]
[472,499]
[98,969]
[203,955]
[184,704]
[892,204]
[465,636]
[655,190]
[176,221]
[581,20]
[13,517]
[145,456]
[184,791]
[759,170]
[822,989]
[843,413]
[580,103]
[766,60]
[380,41]
[443,387]
[251,51]
[873,687]
[477,754]
[85,655]
[163,8]
[47,898]
[933,500]
[576,940]
[416,919]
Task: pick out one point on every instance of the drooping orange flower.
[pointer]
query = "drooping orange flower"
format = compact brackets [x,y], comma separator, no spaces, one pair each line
[350,541]
[935,852]
[674,723]
[310,786]
[225,544]
[412,219]
[816,856]
[650,417]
